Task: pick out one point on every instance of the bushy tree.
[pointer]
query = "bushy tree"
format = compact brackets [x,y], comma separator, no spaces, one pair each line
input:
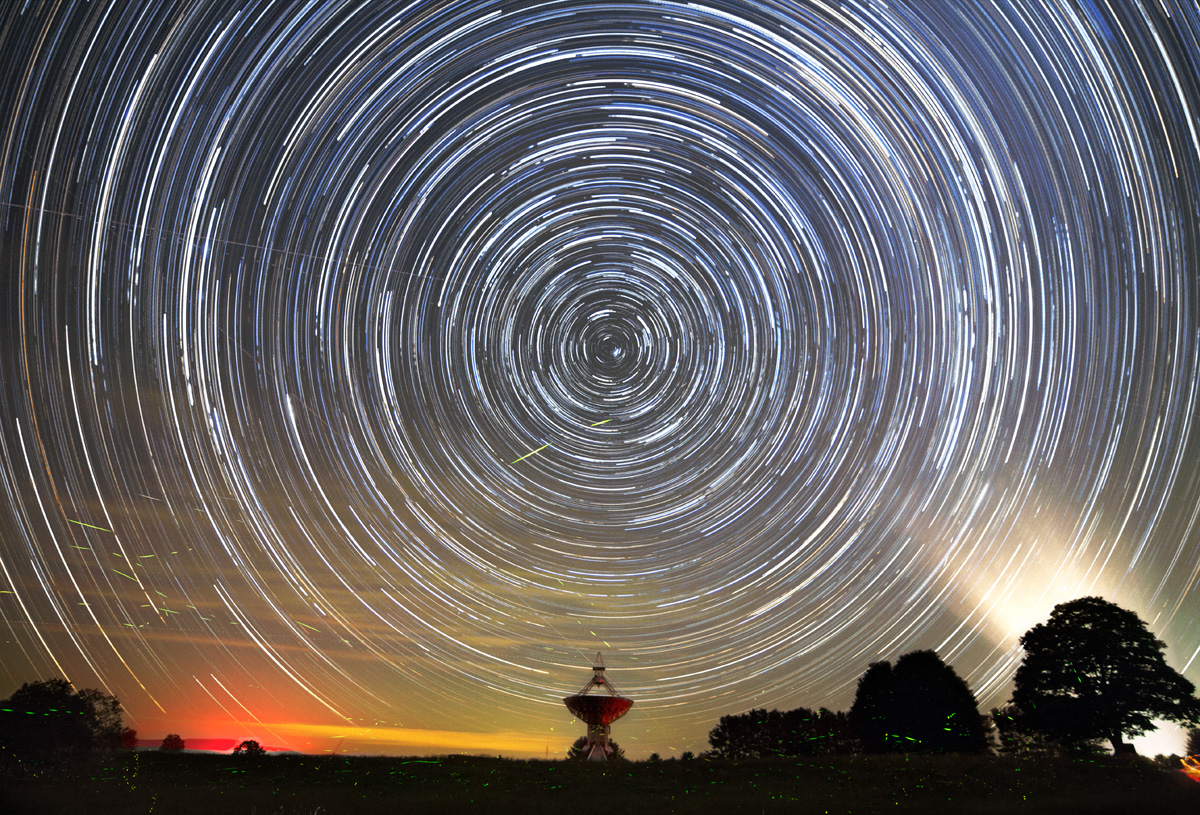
[919,706]
[129,738]
[832,734]
[1094,671]
[1192,745]
[1013,735]
[874,703]
[51,717]
[249,747]
[746,735]
[104,718]
[172,741]
[767,734]
[1018,738]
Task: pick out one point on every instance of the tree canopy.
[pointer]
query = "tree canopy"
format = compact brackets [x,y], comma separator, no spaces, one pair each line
[1094,671]
[172,741]
[765,734]
[249,747]
[919,706]
[51,716]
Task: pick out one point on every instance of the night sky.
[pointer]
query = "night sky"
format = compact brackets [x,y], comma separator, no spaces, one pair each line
[367,367]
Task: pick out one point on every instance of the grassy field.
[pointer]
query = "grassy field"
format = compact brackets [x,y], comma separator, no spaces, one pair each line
[152,782]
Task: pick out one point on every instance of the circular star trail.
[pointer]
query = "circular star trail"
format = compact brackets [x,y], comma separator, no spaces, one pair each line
[382,362]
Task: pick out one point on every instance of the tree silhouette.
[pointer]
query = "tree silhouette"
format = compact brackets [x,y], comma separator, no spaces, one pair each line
[747,735]
[874,703]
[1094,671]
[1014,735]
[919,706]
[250,747]
[129,738]
[172,741]
[104,717]
[578,750]
[51,717]
[765,734]
[1192,745]
[1018,738]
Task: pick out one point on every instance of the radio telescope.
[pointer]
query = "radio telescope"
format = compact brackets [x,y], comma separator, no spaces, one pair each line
[598,712]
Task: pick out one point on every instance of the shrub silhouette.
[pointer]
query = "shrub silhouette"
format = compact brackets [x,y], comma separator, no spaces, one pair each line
[172,741]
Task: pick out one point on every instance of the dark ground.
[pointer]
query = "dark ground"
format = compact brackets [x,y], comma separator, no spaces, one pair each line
[182,784]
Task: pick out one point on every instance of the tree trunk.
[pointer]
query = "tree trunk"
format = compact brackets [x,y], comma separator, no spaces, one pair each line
[1121,747]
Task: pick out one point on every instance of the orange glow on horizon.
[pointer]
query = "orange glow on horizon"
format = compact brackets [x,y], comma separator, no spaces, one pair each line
[306,737]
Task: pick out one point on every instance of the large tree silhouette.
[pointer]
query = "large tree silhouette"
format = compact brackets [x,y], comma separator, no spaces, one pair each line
[919,706]
[51,717]
[1094,671]
[104,718]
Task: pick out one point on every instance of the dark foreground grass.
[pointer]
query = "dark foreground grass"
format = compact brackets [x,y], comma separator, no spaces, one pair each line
[184,784]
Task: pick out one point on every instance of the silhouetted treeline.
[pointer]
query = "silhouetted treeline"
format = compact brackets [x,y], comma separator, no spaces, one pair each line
[918,706]
[772,734]
[1093,672]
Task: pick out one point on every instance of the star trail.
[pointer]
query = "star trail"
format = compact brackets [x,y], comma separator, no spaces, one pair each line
[368,366]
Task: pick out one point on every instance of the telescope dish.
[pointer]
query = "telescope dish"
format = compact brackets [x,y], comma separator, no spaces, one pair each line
[598,711]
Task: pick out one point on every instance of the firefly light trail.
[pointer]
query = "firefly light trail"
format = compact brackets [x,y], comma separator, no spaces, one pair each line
[89,526]
[544,446]
[893,310]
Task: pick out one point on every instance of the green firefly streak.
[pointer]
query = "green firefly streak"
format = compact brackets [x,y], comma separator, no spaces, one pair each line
[90,526]
[527,455]
[544,446]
